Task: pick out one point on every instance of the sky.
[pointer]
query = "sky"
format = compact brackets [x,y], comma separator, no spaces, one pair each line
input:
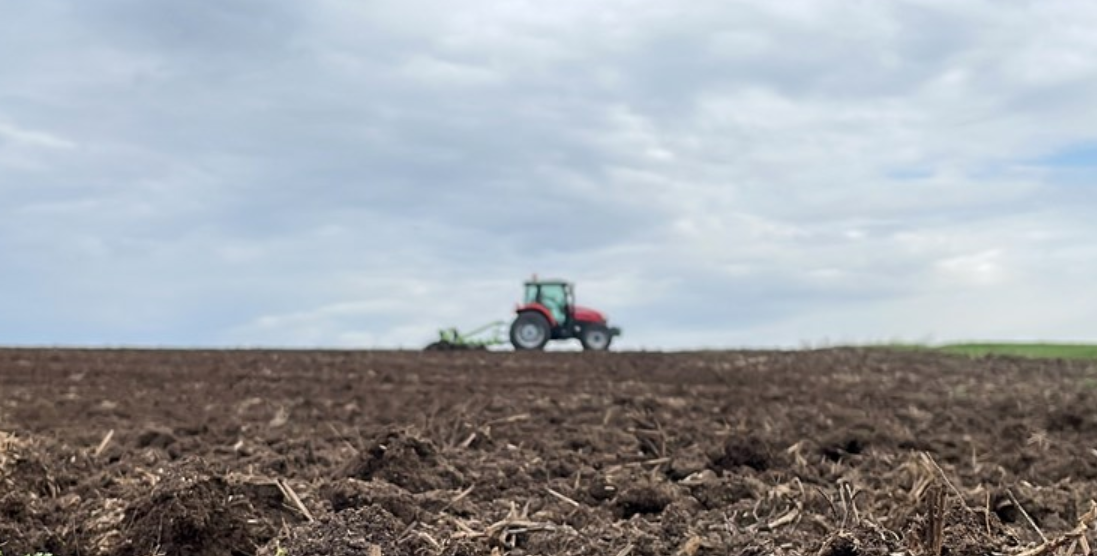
[711,173]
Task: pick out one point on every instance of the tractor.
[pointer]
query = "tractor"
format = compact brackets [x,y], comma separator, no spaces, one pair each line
[549,312]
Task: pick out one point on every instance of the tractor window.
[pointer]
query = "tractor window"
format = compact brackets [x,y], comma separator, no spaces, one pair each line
[555,299]
[531,293]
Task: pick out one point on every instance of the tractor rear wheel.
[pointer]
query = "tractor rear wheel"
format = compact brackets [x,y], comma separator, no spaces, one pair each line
[595,337]
[530,331]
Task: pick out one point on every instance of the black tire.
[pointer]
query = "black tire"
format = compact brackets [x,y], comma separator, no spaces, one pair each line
[595,337]
[530,332]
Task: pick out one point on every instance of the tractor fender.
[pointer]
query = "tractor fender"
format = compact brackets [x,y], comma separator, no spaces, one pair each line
[537,307]
[586,314]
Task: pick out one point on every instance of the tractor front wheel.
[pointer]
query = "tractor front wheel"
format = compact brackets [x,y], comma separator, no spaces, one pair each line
[595,337]
[529,332]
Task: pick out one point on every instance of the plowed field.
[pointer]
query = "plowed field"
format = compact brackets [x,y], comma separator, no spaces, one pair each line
[836,453]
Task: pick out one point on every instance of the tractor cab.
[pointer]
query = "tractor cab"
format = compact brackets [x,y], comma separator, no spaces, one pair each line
[548,312]
[555,295]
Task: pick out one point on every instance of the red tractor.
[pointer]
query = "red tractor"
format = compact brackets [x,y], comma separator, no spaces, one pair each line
[549,312]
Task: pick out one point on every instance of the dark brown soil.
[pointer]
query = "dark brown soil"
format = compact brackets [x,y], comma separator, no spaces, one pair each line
[833,453]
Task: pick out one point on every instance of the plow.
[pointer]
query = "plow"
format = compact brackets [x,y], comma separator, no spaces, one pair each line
[548,312]
[480,338]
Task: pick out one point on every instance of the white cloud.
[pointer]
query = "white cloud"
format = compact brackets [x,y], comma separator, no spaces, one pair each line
[33,138]
[984,268]
[441,73]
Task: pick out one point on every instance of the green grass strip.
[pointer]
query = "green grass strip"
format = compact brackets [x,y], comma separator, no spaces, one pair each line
[1034,350]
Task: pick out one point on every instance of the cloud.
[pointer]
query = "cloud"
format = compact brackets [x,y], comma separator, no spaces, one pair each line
[711,173]
[31,138]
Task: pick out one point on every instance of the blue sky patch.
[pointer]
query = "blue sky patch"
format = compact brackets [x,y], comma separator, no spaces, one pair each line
[1079,155]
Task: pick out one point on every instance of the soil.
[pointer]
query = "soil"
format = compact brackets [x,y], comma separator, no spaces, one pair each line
[292,453]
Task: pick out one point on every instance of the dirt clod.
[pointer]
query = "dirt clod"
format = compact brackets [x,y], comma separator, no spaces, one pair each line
[156,437]
[645,499]
[403,459]
[353,493]
[365,531]
[194,510]
[745,451]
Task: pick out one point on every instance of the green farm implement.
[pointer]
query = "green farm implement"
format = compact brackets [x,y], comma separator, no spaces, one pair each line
[452,339]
